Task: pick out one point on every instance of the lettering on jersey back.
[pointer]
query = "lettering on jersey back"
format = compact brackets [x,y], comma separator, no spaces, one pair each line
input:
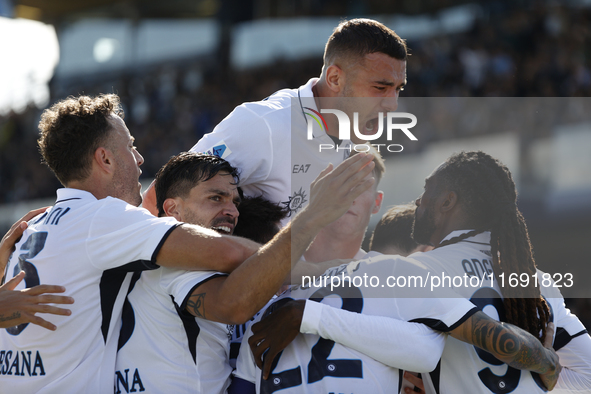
[56,214]
[33,245]
[123,382]
[474,267]
[20,363]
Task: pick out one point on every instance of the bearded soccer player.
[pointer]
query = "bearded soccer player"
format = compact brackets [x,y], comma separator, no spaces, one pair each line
[188,351]
[96,235]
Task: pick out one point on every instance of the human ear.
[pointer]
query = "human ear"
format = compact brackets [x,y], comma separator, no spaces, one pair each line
[334,78]
[449,202]
[378,202]
[172,207]
[104,159]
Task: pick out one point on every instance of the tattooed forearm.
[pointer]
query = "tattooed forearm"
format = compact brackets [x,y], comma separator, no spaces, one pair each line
[196,305]
[495,338]
[14,316]
[506,342]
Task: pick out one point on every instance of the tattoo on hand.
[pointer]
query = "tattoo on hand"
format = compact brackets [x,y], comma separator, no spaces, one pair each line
[196,305]
[15,315]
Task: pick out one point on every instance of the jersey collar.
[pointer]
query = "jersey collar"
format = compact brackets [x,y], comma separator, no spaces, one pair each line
[306,100]
[73,194]
[482,238]
[306,90]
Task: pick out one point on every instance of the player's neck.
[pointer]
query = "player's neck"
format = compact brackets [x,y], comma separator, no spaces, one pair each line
[449,227]
[324,98]
[92,185]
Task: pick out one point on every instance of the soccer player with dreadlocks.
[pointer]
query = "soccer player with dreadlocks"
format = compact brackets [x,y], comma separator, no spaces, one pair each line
[469,212]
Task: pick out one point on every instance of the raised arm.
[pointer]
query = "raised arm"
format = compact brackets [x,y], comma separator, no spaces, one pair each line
[411,346]
[236,298]
[307,268]
[193,247]
[512,345]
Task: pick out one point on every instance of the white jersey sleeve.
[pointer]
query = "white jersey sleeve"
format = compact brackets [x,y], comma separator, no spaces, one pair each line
[572,344]
[575,358]
[411,346]
[244,139]
[403,345]
[180,284]
[137,234]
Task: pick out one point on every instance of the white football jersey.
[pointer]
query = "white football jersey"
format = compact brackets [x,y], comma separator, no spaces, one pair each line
[239,332]
[165,349]
[267,141]
[464,368]
[314,364]
[88,246]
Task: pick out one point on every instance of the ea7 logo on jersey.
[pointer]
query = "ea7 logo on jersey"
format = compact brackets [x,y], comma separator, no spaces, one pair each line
[300,168]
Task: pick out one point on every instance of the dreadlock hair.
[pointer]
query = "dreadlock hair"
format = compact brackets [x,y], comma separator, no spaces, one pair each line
[486,191]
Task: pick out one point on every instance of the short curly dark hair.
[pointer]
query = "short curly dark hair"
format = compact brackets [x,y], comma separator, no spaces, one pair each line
[394,229]
[71,131]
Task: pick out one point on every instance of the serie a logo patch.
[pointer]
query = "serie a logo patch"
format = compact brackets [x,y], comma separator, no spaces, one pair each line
[220,150]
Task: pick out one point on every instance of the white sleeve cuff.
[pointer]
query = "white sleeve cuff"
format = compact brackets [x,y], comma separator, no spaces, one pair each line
[311,317]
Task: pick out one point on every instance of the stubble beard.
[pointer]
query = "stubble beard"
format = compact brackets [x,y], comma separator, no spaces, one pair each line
[423,228]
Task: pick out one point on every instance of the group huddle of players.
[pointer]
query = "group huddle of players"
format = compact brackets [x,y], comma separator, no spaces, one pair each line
[198,291]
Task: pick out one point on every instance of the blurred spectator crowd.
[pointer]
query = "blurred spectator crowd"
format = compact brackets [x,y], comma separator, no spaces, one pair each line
[539,52]
[509,52]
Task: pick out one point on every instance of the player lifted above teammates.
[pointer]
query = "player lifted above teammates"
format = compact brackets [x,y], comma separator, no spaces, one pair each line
[267,140]
[95,235]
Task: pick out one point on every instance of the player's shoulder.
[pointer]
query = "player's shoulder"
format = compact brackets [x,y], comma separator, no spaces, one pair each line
[387,263]
[116,206]
[432,256]
[277,104]
[112,213]
[549,288]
